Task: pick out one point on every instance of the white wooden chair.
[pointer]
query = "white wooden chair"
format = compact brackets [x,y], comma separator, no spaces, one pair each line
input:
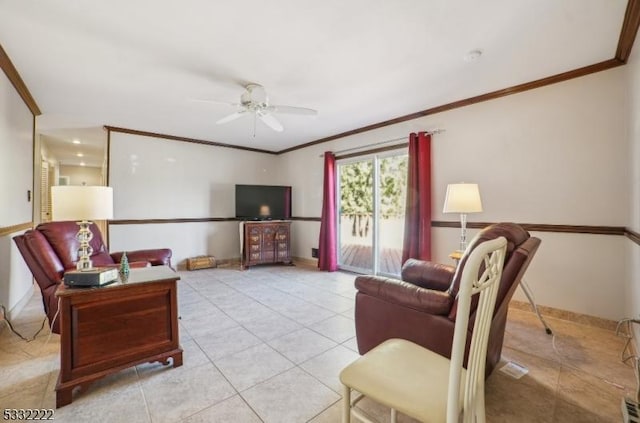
[425,385]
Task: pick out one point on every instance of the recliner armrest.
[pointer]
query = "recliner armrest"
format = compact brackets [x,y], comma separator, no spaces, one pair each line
[427,274]
[157,257]
[405,294]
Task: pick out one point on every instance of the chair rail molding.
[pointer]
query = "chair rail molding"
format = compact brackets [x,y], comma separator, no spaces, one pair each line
[8,230]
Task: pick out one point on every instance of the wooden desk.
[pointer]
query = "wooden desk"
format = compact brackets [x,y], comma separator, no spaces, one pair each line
[110,328]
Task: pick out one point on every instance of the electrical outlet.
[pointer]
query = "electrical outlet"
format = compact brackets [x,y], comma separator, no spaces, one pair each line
[314,252]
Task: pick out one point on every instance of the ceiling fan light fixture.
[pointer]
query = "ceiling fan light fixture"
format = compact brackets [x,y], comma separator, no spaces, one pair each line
[255,100]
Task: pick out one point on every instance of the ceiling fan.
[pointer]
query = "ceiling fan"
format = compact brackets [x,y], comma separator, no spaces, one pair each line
[254,101]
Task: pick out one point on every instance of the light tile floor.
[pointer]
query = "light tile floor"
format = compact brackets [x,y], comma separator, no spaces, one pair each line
[267,344]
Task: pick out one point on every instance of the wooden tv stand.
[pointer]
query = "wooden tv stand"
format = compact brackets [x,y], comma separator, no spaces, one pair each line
[266,241]
[110,328]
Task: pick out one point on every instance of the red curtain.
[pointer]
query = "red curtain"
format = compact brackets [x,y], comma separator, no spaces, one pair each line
[328,245]
[417,220]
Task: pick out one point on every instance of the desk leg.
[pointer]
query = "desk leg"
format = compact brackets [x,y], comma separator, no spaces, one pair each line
[177,359]
[63,397]
[527,292]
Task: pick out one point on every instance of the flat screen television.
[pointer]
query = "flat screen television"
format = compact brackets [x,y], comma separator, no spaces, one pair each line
[263,202]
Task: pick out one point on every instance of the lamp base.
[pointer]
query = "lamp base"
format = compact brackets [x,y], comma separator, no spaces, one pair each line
[84,266]
[93,277]
[456,255]
[463,232]
[84,235]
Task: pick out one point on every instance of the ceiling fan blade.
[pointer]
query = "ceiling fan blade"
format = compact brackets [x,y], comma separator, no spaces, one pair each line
[271,122]
[291,110]
[232,116]
[202,100]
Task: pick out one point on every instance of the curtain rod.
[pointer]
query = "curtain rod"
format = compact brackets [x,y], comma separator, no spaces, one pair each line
[432,132]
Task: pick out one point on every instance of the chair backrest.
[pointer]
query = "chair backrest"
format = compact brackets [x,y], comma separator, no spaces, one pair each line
[41,259]
[62,238]
[515,236]
[481,275]
[44,264]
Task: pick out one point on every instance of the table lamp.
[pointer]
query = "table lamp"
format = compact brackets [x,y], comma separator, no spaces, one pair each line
[83,204]
[462,198]
[265,211]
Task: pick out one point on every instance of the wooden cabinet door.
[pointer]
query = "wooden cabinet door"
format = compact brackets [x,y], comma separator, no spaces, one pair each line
[253,242]
[268,243]
[282,243]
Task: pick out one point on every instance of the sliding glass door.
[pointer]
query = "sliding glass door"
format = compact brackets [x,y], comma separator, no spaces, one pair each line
[371,199]
[392,199]
[355,217]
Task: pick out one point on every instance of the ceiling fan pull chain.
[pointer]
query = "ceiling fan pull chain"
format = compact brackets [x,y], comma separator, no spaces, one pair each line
[254,124]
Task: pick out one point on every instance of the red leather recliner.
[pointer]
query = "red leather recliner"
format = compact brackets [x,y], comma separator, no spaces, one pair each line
[422,306]
[52,249]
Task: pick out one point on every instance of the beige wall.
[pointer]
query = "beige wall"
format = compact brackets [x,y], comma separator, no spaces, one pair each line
[156,178]
[556,155]
[563,154]
[16,178]
[632,306]
[82,175]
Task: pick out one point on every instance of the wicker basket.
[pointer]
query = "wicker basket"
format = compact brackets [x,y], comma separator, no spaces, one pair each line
[201,262]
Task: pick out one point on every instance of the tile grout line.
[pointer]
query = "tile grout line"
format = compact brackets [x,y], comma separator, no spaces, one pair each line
[265,341]
[144,397]
[295,365]
[324,410]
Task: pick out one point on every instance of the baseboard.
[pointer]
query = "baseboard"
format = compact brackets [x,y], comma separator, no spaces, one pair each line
[235,262]
[306,262]
[571,316]
[231,262]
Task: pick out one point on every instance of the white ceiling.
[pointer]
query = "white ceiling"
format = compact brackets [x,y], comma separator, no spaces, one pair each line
[140,64]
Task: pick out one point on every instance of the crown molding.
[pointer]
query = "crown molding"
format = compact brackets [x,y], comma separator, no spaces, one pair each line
[575,73]
[183,139]
[18,83]
[629,30]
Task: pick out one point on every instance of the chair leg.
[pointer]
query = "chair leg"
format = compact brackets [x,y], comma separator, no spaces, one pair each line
[479,410]
[527,291]
[480,413]
[394,415]
[346,404]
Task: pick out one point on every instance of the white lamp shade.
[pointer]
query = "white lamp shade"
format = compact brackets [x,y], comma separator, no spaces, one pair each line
[81,202]
[462,198]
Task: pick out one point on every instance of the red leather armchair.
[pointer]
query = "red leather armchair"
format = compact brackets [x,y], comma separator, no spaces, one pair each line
[422,306]
[51,249]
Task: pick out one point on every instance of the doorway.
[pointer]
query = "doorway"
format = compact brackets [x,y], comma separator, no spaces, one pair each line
[371,199]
